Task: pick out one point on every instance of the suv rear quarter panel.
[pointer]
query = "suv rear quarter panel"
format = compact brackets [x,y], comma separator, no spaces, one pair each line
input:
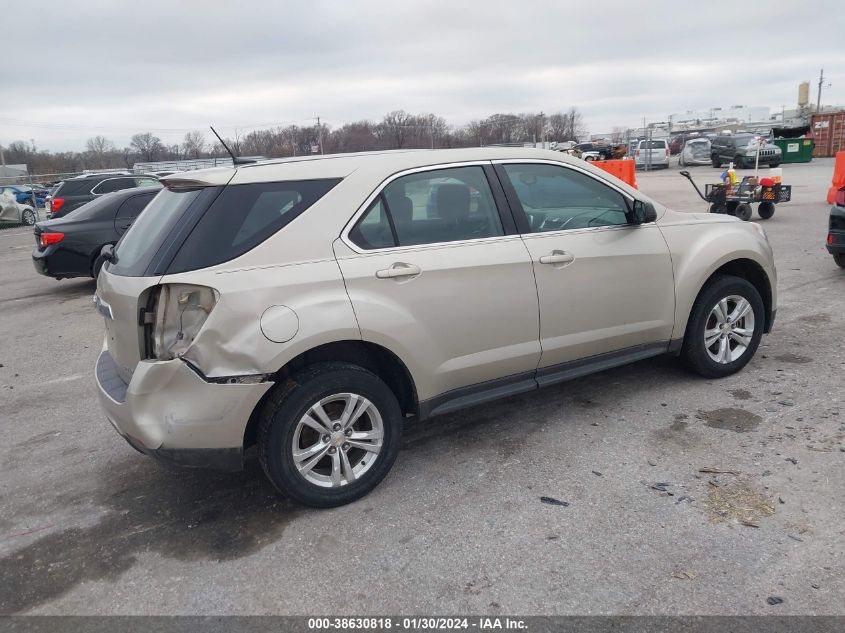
[232,342]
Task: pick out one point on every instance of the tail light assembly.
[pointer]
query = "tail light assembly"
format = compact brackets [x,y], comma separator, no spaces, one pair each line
[839,197]
[55,204]
[173,318]
[45,239]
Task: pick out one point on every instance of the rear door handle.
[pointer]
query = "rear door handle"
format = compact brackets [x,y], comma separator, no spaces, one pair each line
[557,257]
[397,270]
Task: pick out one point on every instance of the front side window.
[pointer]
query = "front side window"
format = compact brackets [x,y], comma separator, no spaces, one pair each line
[558,198]
[443,205]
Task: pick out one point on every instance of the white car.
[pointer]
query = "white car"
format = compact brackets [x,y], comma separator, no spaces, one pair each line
[12,211]
[696,151]
[654,153]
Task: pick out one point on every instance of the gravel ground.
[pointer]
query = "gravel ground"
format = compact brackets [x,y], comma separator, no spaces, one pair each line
[678,495]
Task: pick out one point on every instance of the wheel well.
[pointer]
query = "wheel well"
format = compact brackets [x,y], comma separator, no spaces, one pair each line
[375,358]
[753,273]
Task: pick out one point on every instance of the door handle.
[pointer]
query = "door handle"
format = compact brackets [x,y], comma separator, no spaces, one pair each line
[557,257]
[397,270]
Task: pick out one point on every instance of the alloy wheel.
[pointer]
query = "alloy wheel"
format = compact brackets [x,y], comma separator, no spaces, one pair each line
[729,329]
[338,440]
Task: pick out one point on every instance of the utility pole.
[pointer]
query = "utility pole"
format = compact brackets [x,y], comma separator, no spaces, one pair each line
[320,134]
[819,101]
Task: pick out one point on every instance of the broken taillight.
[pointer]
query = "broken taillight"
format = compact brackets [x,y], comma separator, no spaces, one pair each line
[175,316]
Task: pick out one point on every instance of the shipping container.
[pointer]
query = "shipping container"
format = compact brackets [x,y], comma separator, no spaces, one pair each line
[829,133]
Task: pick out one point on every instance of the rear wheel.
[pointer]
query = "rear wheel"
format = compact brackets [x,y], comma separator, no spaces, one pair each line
[725,327]
[28,217]
[766,209]
[743,211]
[718,208]
[774,165]
[330,435]
[715,160]
[739,162]
[839,258]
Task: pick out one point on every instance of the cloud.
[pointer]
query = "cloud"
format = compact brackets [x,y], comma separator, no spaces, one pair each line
[103,67]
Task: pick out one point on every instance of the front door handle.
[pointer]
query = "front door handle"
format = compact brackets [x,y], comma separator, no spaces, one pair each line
[557,257]
[397,270]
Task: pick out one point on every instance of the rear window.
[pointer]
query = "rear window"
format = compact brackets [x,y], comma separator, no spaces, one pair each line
[653,144]
[99,207]
[242,217]
[140,244]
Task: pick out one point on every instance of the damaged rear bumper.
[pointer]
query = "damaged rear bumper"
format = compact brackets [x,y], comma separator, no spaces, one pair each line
[169,412]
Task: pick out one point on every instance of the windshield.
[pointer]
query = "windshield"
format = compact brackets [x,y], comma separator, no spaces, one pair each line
[139,245]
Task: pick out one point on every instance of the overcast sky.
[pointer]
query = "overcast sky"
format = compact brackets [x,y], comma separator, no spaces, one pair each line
[78,68]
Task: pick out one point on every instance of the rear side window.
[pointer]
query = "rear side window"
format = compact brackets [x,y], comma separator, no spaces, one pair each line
[132,207]
[79,187]
[242,217]
[114,184]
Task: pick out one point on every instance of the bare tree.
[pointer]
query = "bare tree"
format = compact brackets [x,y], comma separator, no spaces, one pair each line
[193,144]
[99,145]
[147,145]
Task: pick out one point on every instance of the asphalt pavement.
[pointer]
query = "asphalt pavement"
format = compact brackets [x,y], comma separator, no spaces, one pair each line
[641,490]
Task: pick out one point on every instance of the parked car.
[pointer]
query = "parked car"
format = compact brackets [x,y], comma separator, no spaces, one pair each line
[24,194]
[741,150]
[836,231]
[299,306]
[70,246]
[11,211]
[74,192]
[654,154]
[592,151]
[696,151]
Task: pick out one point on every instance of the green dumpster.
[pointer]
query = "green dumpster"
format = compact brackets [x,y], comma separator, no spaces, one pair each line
[795,150]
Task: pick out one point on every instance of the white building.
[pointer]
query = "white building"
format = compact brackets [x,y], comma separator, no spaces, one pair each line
[713,117]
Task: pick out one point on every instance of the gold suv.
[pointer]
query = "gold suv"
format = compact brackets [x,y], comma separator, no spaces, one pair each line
[312,305]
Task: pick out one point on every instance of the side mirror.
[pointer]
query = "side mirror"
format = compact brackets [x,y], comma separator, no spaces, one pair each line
[107,253]
[643,212]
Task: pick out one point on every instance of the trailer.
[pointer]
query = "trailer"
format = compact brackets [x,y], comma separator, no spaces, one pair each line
[737,200]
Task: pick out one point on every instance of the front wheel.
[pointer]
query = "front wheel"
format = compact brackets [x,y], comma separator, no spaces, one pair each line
[774,165]
[329,435]
[28,217]
[839,258]
[725,327]
[715,161]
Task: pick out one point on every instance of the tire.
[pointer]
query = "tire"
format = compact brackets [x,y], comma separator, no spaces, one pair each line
[839,258]
[715,160]
[739,162]
[589,159]
[281,425]
[718,208]
[766,209]
[712,362]
[743,211]
[97,266]
[774,165]
[28,217]
[730,208]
